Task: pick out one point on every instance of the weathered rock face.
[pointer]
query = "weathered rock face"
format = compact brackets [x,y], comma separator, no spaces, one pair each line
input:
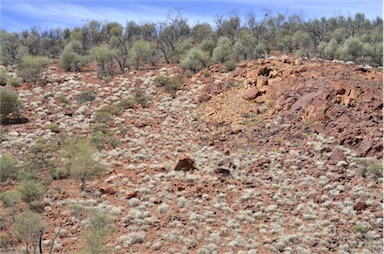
[329,98]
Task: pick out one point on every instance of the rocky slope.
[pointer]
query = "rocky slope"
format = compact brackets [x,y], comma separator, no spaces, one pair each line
[277,148]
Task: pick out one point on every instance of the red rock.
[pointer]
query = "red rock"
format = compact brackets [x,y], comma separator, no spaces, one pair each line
[361,205]
[133,194]
[185,163]
[336,156]
[251,93]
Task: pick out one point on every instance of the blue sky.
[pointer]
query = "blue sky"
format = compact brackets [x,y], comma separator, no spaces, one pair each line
[17,15]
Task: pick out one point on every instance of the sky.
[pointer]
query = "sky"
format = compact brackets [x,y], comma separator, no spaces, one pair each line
[19,15]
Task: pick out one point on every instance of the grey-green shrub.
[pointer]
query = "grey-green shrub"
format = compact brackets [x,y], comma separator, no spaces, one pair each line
[71,61]
[141,52]
[80,161]
[32,66]
[223,50]
[104,57]
[8,168]
[9,102]
[11,198]
[100,226]
[28,226]
[195,60]
[31,190]
[3,77]
[72,58]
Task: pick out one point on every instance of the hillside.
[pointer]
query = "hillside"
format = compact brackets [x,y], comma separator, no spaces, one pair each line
[276,156]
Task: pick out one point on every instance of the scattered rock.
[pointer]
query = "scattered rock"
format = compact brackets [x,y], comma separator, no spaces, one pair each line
[251,93]
[185,163]
[336,156]
[361,205]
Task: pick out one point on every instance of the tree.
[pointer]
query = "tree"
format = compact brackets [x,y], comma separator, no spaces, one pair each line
[80,161]
[28,227]
[104,60]
[9,102]
[32,66]
[171,32]
[141,52]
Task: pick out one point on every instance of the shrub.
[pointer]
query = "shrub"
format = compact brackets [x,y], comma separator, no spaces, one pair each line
[71,61]
[103,117]
[103,56]
[9,102]
[141,52]
[141,98]
[80,162]
[195,60]
[352,49]
[170,84]
[8,168]
[28,227]
[31,190]
[230,65]
[114,110]
[11,199]
[98,140]
[86,96]
[32,66]
[99,228]
[53,127]
[14,81]
[59,173]
[3,77]
[222,51]
[100,127]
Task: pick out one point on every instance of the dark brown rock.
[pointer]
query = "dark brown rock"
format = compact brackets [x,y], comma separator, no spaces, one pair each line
[185,163]
[361,205]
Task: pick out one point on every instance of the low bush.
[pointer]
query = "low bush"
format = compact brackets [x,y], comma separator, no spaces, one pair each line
[11,198]
[79,160]
[31,190]
[102,116]
[170,84]
[32,66]
[8,168]
[9,102]
[86,96]
[230,65]
[100,226]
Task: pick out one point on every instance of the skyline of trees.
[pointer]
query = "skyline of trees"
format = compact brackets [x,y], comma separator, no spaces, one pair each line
[231,38]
